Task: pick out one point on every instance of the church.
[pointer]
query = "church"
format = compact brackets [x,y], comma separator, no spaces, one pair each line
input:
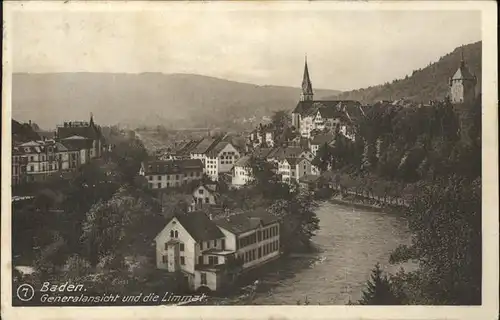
[312,115]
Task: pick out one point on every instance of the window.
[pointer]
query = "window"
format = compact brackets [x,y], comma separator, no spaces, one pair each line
[176,234]
[176,177]
[159,185]
[260,252]
[203,278]
[201,245]
[172,233]
[213,260]
[207,200]
[215,243]
[164,259]
[223,244]
[159,177]
[183,261]
[150,178]
[181,247]
[200,191]
[200,260]
[166,246]
[259,235]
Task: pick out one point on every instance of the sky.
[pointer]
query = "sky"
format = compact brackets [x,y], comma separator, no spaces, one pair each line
[345,49]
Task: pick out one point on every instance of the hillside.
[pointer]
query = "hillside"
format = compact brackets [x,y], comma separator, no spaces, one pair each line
[429,83]
[173,100]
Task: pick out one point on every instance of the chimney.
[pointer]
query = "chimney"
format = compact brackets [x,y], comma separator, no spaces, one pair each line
[29,121]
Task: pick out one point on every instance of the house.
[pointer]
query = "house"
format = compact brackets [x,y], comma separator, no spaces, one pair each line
[19,163]
[292,169]
[242,172]
[182,246]
[282,153]
[88,130]
[40,159]
[263,136]
[208,251]
[320,140]
[310,182]
[171,173]
[206,194]
[81,144]
[200,149]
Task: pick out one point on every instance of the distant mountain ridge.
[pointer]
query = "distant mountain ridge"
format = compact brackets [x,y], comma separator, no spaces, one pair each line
[173,100]
[425,84]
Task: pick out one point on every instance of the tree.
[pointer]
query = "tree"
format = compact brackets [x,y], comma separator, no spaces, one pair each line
[378,290]
[299,220]
[324,157]
[76,267]
[125,224]
[446,222]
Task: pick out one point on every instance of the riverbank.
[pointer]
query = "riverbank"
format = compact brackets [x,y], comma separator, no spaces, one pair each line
[364,204]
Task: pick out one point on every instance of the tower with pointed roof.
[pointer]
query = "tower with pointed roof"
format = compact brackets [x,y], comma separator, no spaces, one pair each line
[462,84]
[307,91]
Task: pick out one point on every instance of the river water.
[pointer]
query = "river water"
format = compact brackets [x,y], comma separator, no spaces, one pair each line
[350,242]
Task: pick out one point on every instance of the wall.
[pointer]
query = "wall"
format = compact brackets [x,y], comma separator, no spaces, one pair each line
[227,157]
[255,246]
[241,176]
[212,168]
[230,239]
[184,237]
[204,195]
[211,280]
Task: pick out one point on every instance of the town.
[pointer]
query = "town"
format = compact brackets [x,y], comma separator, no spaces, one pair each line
[205,228]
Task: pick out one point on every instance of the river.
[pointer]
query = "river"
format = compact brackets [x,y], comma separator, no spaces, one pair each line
[350,242]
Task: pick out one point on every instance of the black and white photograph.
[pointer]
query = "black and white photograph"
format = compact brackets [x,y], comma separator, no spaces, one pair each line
[261,154]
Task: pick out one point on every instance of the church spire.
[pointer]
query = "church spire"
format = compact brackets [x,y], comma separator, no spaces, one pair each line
[307,91]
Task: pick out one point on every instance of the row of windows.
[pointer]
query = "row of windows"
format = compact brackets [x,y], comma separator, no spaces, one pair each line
[248,240]
[212,242]
[268,233]
[167,185]
[182,260]
[181,246]
[176,177]
[261,251]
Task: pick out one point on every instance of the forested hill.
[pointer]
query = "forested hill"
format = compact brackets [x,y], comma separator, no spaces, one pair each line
[429,83]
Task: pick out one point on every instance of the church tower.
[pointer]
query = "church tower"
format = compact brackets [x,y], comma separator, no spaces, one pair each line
[462,84]
[307,91]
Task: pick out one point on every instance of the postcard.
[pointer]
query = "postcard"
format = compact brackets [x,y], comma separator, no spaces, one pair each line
[249,160]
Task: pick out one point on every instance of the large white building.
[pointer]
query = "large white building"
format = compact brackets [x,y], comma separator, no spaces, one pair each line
[218,156]
[211,252]
[292,169]
[171,173]
[242,172]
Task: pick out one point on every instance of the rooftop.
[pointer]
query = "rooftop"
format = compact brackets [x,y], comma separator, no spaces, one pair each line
[246,221]
[199,226]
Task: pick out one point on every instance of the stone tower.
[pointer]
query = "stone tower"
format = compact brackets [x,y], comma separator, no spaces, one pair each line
[462,84]
[307,91]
